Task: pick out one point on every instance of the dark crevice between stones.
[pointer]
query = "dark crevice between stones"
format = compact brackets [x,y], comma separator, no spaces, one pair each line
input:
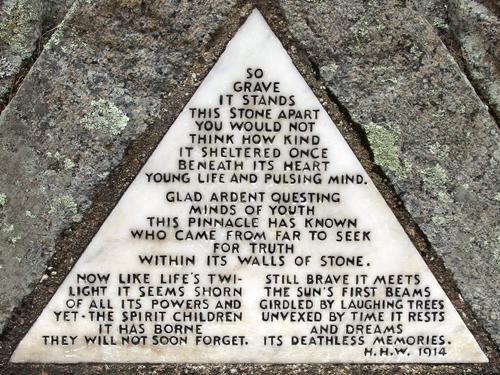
[452,45]
[492,5]
[18,78]
[49,26]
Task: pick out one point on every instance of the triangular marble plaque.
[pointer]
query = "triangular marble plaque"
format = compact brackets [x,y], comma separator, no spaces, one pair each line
[305,262]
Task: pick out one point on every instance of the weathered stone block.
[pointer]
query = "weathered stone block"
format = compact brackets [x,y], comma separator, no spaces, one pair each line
[428,130]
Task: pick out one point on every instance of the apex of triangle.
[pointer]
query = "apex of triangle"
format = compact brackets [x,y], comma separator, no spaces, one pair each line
[252,234]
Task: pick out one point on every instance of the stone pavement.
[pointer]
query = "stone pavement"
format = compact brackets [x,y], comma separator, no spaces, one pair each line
[412,86]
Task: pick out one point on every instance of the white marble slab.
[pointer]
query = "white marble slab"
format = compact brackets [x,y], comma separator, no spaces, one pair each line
[212,299]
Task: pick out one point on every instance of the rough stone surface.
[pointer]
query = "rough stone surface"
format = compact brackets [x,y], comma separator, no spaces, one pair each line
[471,30]
[436,13]
[97,85]
[477,29]
[20,28]
[428,130]
[22,25]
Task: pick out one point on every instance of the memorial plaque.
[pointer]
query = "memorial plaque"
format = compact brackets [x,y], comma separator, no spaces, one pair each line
[252,234]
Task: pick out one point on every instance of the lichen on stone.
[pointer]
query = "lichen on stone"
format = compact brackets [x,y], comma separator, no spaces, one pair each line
[497,197]
[440,220]
[69,203]
[436,177]
[3,199]
[440,23]
[16,29]
[105,117]
[440,114]
[6,68]
[384,144]
[439,150]
[63,161]
[415,51]
[7,228]
[64,203]
[29,214]
[360,31]
[444,197]
[68,163]
[328,71]
[14,239]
